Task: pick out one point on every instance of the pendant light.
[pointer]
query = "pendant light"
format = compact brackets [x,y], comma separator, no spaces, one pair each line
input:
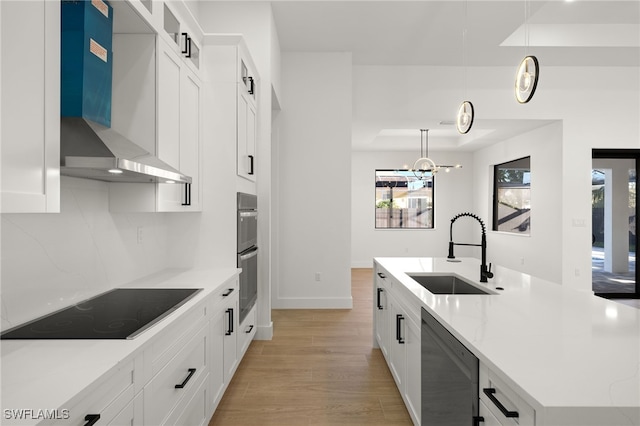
[529,69]
[424,166]
[465,115]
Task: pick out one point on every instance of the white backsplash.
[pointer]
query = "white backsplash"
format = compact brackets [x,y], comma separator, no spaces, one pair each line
[50,261]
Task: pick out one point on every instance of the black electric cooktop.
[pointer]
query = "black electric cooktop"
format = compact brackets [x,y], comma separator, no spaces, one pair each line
[122,313]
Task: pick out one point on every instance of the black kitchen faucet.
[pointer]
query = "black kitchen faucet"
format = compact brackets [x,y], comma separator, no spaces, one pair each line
[484,271]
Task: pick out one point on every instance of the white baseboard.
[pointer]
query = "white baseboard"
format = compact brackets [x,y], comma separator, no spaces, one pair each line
[264,332]
[313,303]
[362,264]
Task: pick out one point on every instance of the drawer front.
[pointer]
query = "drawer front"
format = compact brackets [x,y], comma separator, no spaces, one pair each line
[176,380]
[174,339]
[106,399]
[501,399]
[246,332]
[194,411]
[487,415]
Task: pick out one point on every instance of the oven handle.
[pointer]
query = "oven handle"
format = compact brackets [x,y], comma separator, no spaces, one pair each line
[248,213]
[244,257]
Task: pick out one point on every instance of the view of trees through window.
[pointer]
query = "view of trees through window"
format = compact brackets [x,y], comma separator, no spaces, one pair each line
[512,196]
[403,201]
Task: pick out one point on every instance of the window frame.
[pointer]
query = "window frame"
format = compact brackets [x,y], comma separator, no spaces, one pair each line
[495,217]
[433,202]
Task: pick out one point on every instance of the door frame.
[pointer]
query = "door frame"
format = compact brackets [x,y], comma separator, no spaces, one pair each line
[632,154]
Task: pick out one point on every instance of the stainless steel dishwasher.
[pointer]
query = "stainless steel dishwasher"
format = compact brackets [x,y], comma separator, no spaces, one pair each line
[449,378]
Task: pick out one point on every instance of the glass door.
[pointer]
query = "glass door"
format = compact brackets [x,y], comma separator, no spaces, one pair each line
[614,223]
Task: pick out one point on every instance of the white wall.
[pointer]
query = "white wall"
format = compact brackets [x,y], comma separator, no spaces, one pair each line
[314,175]
[539,253]
[453,194]
[599,108]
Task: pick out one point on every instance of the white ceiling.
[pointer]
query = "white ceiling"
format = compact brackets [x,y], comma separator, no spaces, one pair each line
[428,32]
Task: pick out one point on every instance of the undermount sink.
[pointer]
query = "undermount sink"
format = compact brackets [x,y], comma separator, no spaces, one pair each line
[447,284]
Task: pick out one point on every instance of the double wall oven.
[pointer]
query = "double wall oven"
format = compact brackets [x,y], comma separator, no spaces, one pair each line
[247,251]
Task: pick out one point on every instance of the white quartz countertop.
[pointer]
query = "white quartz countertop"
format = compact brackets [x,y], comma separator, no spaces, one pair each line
[53,374]
[558,347]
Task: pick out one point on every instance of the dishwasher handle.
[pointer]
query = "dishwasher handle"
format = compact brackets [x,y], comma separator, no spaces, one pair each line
[490,392]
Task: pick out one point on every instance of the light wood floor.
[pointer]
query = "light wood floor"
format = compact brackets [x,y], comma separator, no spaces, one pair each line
[319,369]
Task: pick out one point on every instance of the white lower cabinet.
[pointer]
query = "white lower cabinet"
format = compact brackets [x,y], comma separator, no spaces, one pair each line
[381,313]
[246,332]
[175,383]
[105,401]
[223,331]
[504,404]
[178,377]
[397,331]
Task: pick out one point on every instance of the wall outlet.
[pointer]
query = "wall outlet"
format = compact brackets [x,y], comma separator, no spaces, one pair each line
[522,260]
[139,235]
[577,272]
[317,276]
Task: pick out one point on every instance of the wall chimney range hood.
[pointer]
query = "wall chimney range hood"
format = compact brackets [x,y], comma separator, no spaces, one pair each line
[89,148]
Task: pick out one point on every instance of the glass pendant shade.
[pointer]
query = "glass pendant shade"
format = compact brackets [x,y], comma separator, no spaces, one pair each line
[464,118]
[527,79]
[423,166]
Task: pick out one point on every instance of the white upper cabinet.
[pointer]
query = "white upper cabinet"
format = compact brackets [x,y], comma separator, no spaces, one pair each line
[235,81]
[30,109]
[178,129]
[156,77]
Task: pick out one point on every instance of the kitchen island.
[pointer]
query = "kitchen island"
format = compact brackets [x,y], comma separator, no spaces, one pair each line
[571,357]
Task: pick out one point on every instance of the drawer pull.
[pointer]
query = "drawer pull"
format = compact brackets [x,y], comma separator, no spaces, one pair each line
[250,329]
[184,383]
[228,292]
[490,393]
[381,275]
[91,419]
[380,290]
[477,420]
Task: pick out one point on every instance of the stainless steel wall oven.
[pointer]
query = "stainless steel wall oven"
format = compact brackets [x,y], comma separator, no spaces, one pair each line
[247,251]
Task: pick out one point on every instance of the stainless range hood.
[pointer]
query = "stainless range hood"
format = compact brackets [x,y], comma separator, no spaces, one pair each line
[91,150]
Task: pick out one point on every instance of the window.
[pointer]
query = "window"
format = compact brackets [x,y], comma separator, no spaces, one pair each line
[512,196]
[403,201]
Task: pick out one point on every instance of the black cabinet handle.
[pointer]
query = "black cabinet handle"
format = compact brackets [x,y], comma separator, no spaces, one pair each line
[477,420]
[187,45]
[250,164]
[381,275]
[251,85]
[187,194]
[490,393]
[229,331]
[399,338]
[380,290]
[228,292]
[250,329]
[91,419]
[184,383]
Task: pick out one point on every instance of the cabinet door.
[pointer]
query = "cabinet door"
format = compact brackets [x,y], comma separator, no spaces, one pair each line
[216,364]
[30,86]
[398,346]
[178,130]
[230,332]
[246,136]
[168,105]
[190,138]
[381,315]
